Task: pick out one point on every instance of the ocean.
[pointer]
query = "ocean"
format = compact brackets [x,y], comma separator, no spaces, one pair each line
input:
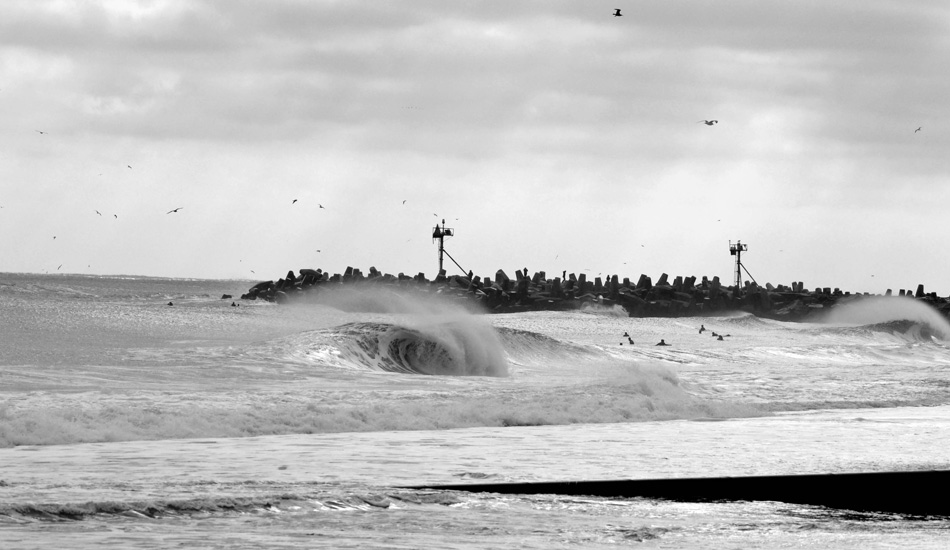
[126,422]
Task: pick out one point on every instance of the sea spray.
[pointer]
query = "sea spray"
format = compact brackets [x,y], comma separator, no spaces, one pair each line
[434,346]
[433,334]
[882,309]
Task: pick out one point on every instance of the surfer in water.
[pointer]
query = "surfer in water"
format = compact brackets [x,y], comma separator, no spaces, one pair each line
[702,328]
[662,342]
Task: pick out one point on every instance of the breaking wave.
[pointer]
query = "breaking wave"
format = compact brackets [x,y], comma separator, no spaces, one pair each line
[890,314]
[904,330]
[451,348]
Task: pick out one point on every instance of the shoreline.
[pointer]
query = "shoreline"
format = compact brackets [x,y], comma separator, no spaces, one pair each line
[683,297]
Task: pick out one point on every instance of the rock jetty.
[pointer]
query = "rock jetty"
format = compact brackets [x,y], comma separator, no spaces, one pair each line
[681,297]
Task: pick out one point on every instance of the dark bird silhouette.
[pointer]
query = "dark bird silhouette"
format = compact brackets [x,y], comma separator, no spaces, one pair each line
[41,133]
[175,210]
[60,265]
[97,212]
[918,129]
[130,167]
[617,13]
[708,122]
[321,206]
[404,202]
[116,216]
[54,237]
[293,201]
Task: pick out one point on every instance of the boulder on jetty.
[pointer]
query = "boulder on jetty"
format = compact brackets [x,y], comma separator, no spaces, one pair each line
[499,294]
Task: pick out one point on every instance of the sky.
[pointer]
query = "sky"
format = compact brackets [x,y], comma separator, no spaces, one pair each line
[549,135]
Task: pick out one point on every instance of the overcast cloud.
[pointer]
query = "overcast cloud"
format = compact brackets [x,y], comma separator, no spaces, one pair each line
[550,135]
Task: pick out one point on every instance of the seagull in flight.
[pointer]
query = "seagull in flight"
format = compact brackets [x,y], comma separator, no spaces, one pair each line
[42,133]
[919,128]
[708,122]
[404,201]
[293,201]
[97,212]
[175,210]
[617,13]
[129,165]
[321,206]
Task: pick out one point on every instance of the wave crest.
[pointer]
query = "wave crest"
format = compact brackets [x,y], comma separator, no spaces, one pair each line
[883,312]
[448,348]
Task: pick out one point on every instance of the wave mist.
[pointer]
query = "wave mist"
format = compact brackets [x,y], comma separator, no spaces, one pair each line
[882,309]
[436,334]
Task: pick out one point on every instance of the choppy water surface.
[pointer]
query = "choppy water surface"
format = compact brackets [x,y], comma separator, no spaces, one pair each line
[128,422]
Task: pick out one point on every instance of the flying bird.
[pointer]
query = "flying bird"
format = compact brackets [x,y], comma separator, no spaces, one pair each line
[41,133]
[116,216]
[708,122]
[404,202]
[60,265]
[175,210]
[97,212]
[617,13]
[321,206]
[918,129]
[130,167]
[293,201]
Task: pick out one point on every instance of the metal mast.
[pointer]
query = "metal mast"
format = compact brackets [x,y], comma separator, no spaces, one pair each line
[441,233]
[737,250]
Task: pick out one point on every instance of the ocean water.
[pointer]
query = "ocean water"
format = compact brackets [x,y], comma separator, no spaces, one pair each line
[127,422]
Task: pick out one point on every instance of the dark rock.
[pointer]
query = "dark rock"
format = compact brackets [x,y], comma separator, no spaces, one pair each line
[263,285]
[644,282]
[499,295]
